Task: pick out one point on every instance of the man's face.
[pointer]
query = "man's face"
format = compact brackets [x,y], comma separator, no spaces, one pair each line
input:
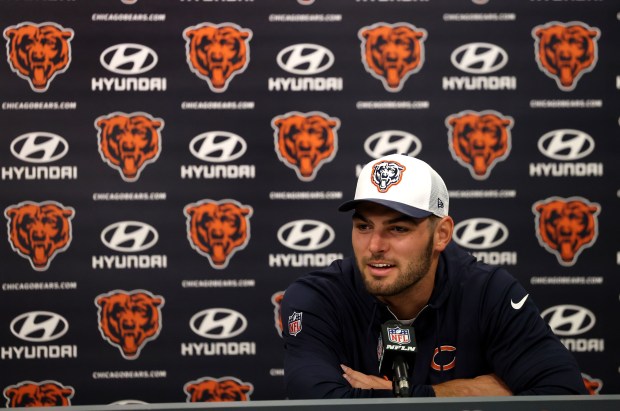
[393,251]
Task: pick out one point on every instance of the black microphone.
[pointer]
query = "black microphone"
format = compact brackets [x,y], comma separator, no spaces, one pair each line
[397,351]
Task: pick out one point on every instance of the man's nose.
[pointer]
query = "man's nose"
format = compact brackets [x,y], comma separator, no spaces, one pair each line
[377,243]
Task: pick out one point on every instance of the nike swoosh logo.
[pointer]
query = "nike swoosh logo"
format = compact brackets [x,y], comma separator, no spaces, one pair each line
[517,306]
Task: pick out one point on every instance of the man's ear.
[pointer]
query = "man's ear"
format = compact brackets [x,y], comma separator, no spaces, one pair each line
[443,233]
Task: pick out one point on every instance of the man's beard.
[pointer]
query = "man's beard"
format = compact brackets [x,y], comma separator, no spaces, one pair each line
[415,271]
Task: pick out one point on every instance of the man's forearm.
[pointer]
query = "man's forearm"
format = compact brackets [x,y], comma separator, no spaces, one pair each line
[484,385]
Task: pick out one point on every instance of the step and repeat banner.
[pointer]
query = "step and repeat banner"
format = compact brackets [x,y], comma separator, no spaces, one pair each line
[168,167]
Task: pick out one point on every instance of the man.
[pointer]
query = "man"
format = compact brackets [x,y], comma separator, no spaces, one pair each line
[477,330]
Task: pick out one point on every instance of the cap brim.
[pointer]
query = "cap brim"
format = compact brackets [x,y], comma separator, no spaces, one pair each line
[400,207]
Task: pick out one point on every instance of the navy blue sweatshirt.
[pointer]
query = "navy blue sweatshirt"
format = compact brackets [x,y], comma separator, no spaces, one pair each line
[478,321]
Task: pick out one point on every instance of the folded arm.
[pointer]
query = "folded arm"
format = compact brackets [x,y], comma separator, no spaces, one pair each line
[484,385]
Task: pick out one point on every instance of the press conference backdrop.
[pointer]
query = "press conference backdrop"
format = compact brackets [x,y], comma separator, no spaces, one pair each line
[168,167]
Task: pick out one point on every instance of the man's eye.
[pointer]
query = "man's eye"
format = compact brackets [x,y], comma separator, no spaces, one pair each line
[400,229]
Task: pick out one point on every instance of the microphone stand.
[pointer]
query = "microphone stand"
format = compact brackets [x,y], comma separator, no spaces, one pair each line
[400,379]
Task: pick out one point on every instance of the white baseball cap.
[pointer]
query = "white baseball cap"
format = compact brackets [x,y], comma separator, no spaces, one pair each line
[402,183]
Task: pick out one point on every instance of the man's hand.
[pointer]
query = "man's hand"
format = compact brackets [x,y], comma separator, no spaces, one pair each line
[366,382]
[484,385]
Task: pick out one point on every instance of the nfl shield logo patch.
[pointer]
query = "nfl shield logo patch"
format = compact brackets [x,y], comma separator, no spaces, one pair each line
[294,323]
[399,336]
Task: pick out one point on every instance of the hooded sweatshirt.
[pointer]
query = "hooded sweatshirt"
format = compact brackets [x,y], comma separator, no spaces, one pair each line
[478,320]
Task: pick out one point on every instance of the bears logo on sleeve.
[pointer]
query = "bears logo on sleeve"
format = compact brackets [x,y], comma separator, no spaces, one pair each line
[565,51]
[392,52]
[305,141]
[38,231]
[128,142]
[218,229]
[128,320]
[217,52]
[38,394]
[38,52]
[479,140]
[218,390]
[566,226]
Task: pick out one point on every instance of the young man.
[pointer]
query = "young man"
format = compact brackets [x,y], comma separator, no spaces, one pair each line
[477,330]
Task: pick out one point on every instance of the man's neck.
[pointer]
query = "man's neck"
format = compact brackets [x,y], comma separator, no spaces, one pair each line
[410,302]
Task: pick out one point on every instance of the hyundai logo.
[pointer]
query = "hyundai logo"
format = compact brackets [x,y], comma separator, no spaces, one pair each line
[566,144]
[392,142]
[479,58]
[306,235]
[480,233]
[39,326]
[569,320]
[129,236]
[305,59]
[128,59]
[218,323]
[39,147]
[217,146]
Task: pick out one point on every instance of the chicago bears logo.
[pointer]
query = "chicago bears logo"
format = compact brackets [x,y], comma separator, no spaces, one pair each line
[479,140]
[385,174]
[38,394]
[593,385]
[128,142]
[218,390]
[218,229]
[38,52]
[305,141]
[276,300]
[444,358]
[565,51]
[38,231]
[566,226]
[217,52]
[128,320]
[392,52]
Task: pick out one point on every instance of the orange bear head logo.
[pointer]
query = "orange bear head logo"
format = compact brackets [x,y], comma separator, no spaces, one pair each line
[217,52]
[479,140]
[304,142]
[218,390]
[565,51]
[38,52]
[129,320]
[218,229]
[38,394]
[38,231]
[276,300]
[128,142]
[593,385]
[392,52]
[565,227]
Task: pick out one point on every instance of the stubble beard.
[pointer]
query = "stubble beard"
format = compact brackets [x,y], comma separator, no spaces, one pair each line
[414,272]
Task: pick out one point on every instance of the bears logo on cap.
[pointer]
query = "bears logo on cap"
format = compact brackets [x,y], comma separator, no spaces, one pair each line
[386,174]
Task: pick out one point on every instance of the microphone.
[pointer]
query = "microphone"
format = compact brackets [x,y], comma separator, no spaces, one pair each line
[397,351]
